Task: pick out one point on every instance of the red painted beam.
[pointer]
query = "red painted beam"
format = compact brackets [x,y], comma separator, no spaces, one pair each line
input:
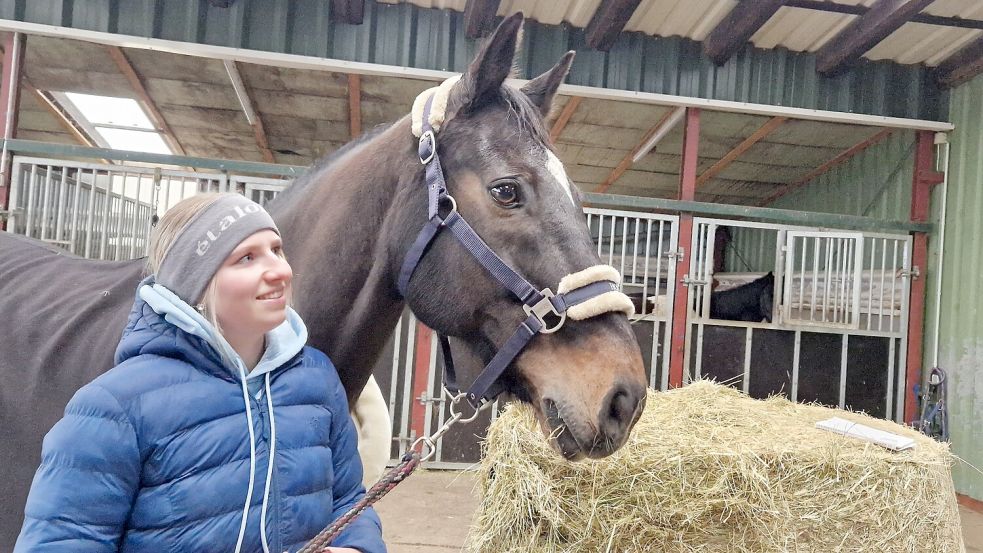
[922,182]
[421,380]
[10,85]
[687,191]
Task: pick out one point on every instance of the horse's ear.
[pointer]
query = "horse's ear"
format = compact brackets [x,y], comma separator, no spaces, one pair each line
[490,67]
[542,89]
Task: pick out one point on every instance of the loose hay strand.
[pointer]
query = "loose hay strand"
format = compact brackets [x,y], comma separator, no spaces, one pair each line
[709,469]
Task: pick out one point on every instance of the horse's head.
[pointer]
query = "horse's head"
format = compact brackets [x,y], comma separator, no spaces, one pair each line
[767,298]
[585,381]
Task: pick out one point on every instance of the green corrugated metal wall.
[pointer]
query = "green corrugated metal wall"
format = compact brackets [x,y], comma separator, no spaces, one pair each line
[876,183]
[407,35]
[961,325]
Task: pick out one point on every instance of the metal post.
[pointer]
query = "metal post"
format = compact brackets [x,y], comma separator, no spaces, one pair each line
[13,63]
[925,177]
[687,191]
[421,381]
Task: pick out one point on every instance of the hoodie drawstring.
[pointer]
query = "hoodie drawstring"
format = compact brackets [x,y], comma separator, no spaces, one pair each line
[252,464]
[269,465]
[252,460]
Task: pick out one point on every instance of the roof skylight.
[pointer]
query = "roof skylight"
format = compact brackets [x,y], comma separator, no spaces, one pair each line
[118,123]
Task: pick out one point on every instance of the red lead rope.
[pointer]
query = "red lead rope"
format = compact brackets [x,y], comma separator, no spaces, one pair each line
[393,476]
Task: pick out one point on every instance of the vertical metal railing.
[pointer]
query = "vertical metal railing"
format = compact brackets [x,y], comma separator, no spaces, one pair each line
[642,247]
[97,210]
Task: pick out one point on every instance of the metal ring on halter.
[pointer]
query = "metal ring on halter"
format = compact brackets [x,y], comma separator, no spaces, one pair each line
[453,205]
[456,398]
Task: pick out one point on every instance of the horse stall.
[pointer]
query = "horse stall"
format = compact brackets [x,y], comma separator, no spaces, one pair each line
[829,324]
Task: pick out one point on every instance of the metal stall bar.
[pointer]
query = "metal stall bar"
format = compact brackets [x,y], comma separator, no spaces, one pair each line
[76,212]
[45,202]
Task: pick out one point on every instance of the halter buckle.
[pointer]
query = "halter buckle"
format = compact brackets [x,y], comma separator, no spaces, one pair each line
[545,307]
[428,135]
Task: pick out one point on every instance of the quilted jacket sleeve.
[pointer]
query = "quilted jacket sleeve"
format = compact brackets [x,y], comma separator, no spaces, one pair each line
[365,532]
[83,490]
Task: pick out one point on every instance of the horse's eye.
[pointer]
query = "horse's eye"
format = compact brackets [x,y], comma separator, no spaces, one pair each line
[506,194]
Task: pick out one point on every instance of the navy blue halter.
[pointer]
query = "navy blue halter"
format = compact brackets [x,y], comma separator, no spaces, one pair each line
[537,304]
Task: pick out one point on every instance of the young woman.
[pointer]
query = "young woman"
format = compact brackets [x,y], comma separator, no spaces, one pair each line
[218,430]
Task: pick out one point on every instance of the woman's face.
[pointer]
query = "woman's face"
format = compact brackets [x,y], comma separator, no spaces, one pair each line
[253,288]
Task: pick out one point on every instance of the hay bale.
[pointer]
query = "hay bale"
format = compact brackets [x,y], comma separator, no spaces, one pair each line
[710,469]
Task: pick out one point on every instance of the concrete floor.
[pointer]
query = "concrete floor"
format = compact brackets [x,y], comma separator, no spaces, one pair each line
[431,512]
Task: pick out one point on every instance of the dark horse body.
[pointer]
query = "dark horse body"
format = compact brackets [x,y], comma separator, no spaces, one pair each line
[347,226]
[751,302]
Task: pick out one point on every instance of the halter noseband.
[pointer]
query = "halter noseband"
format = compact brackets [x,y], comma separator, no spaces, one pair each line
[580,295]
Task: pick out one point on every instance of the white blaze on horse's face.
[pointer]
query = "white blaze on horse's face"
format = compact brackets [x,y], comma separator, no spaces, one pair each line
[555,167]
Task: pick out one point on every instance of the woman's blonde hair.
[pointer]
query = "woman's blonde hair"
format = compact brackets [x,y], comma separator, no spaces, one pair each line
[168,228]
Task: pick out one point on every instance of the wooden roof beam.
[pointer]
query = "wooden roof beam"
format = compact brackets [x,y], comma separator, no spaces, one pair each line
[249,109]
[882,19]
[608,22]
[840,159]
[479,17]
[64,119]
[354,106]
[138,86]
[647,144]
[927,18]
[561,122]
[739,150]
[961,66]
[348,11]
[737,27]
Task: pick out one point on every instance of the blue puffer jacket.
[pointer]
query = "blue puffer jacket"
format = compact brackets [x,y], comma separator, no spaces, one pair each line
[156,455]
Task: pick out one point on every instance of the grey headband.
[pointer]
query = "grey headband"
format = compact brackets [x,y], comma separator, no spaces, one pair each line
[206,241]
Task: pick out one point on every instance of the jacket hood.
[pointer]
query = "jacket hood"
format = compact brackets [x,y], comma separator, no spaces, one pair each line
[160,323]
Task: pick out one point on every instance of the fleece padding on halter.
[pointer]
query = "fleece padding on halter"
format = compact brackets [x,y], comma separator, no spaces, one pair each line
[604,303]
[438,108]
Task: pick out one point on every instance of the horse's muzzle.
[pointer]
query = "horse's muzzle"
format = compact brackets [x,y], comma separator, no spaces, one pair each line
[576,439]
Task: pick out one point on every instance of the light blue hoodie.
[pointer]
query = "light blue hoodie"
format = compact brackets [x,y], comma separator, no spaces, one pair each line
[282,343]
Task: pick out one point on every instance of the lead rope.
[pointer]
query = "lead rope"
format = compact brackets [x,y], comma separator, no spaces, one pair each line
[409,462]
[393,476]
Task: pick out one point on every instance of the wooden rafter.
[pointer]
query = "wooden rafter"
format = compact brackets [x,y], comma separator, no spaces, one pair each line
[479,17]
[927,18]
[840,159]
[249,109]
[665,123]
[737,27]
[961,66]
[561,122]
[140,89]
[348,11]
[63,118]
[739,150]
[354,105]
[882,19]
[608,22]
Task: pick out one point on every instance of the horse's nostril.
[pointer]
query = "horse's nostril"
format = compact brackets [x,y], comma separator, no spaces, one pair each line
[621,410]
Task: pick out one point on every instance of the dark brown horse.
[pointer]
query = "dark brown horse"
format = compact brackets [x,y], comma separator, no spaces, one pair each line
[347,226]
